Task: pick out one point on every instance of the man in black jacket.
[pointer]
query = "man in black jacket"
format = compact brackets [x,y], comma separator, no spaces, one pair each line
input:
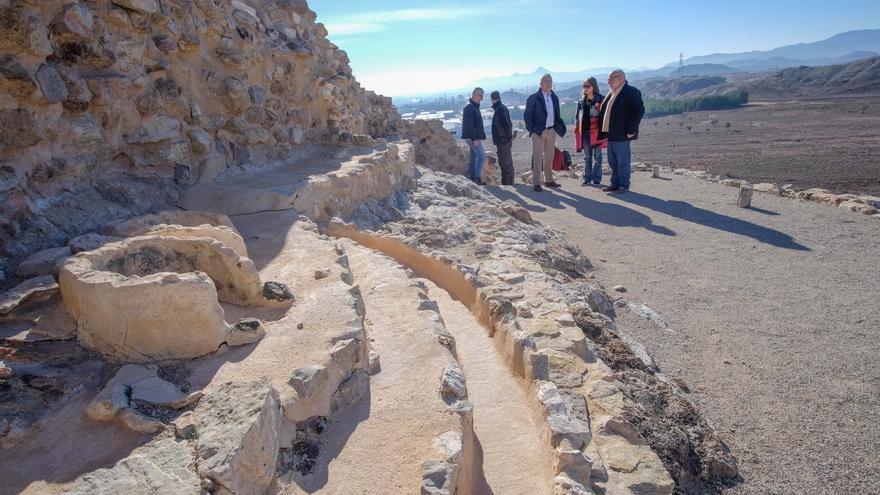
[544,123]
[474,134]
[619,120]
[502,136]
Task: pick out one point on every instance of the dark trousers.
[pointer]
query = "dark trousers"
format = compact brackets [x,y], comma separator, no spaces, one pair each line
[619,159]
[505,162]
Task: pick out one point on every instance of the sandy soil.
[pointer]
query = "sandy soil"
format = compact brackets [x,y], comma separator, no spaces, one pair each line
[833,144]
[773,315]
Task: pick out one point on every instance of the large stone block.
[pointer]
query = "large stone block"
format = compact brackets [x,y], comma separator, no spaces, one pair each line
[237,426]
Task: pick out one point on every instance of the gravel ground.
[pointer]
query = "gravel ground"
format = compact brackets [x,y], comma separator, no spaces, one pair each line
[773,317]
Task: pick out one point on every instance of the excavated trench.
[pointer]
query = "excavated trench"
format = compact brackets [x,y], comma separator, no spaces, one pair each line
[511,451]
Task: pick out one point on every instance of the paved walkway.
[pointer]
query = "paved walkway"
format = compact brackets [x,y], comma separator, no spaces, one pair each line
[773,312]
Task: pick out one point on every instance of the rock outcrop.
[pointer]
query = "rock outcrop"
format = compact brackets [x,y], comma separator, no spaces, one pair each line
[110,109]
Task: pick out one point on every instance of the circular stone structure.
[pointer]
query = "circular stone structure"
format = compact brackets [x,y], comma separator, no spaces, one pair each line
[156,298]
[183,224]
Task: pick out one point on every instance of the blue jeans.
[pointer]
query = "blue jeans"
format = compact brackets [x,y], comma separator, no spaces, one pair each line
[477,159]
[619,159]
[592,162]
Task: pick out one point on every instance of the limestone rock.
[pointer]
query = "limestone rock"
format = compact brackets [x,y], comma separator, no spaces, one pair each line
[143,6]
[238,436]
[133,384]
[647,313]
[89,242]
[574,464]
[40,288]
[76,19]
[154,131]
[566,420]
[15,77]
[491,172]
[43,263]
[567,486]
[164,465]
[435,147]
[17,129]
[438,478]
[350,391]
[453,387]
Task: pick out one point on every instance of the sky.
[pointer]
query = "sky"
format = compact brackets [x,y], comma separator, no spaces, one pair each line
[407,47]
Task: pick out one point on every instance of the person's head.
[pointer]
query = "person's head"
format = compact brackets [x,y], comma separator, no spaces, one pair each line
[495,96]
[546,83]
[591,86]
[477,95]
[616,79]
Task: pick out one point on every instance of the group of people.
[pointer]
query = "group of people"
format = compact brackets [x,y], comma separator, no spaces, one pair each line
[602,122]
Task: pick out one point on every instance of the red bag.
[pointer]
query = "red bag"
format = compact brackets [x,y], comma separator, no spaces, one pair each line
[558,160]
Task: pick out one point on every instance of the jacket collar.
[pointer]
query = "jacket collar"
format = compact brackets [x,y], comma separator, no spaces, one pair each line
[472,102]
[497,104]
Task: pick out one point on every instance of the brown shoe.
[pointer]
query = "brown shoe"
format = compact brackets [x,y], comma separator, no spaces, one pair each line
[552,184]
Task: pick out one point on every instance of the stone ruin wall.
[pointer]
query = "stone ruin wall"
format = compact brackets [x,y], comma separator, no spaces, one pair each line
[110,109]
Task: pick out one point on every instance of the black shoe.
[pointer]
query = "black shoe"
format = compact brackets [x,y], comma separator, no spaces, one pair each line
[538,189]
[586,183]
[610,189]
[552,184]
[621,190]
[597,183]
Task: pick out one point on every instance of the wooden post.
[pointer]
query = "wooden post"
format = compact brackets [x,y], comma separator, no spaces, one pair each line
[656,172]
[745,196]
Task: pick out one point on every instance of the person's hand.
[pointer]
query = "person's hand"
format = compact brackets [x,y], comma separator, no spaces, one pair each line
[630,136]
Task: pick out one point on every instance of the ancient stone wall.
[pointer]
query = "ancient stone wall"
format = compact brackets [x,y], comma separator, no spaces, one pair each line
[110,108]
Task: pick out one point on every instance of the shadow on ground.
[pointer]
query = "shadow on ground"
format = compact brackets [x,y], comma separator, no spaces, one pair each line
[618,215]
[607,213]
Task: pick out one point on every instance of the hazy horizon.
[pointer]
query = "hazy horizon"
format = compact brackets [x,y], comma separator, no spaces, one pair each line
[402,48]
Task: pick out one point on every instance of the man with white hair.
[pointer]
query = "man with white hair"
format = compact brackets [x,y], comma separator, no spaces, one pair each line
[619,118]
[544,123]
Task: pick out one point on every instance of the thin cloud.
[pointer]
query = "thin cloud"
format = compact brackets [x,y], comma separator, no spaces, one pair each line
[371,22]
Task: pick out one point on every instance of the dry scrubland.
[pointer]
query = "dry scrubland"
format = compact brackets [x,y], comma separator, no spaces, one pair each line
[832,144]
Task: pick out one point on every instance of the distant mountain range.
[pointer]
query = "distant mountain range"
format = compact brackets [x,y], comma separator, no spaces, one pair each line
[861,77]
[837,50]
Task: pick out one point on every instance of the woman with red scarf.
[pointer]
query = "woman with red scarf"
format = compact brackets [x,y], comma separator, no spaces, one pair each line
[587,131]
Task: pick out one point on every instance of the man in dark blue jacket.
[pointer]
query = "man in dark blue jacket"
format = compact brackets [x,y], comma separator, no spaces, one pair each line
[544,123]
[502,136]
[474,134]
[621,114]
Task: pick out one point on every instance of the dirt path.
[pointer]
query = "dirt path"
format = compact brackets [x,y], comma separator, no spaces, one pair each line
[773,311]
[513,462]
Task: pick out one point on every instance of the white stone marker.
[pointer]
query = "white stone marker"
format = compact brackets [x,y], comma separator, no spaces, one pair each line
[745,196]
[655,172]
